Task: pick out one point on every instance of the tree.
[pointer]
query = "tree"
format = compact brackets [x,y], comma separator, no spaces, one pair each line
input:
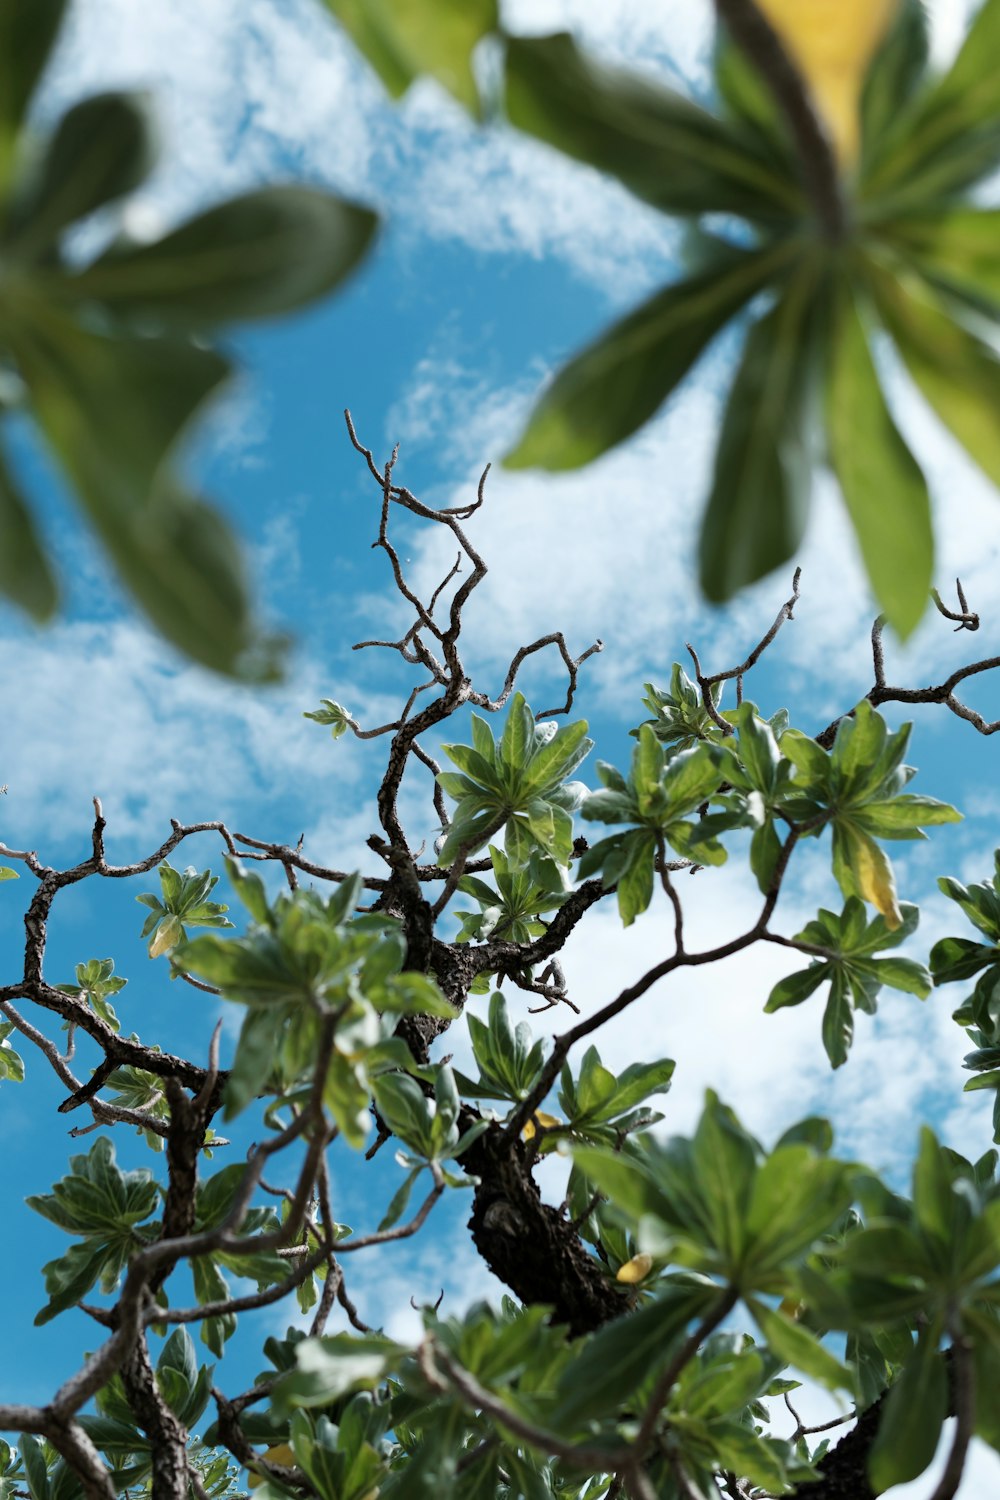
[680,1285]
[683,1283]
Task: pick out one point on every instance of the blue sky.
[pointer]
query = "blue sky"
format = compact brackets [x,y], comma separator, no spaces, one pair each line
[496,259]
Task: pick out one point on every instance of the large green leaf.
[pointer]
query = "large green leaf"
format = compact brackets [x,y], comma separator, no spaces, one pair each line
[113,410]
[25,575]
[795,1345]
[882,484]
[263,253]
[404,38]
[619,381]
[956,248]
[101,149]
[910,1426]
[663,148]
[957,372]
[949,137]
[27,32]
[894,74]
[625,1353]
[759,503]
[329,1367]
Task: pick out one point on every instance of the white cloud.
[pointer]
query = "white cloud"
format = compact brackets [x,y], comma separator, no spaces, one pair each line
[96,710]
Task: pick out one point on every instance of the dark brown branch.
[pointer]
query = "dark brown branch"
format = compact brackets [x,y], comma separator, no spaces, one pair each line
[707,683]
[943,693]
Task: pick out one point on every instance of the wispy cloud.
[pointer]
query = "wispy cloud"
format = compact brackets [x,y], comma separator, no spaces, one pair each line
[94,709]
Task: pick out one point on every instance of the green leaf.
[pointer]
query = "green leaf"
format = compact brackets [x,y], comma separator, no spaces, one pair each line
[11,1062]
[882,484]
[35,1467]
[797,1197]
[797,987]
[329,1367]
[621,1356]
[955,249]
[250,889]
[616,384]
[70,1278]
[404,38]
[101,149]
[947,140]
[259,1040]
[27,34]
[796,1346]
[264,253]
[957,372]
[663,148]
[399,1200]
[894,75]
[636,880]
[725,1166]
[113,409]
[838,1024]
[904,974]
[759,502]
[934,1202]
[25,575]
[624,1181]
[635,1084]
[406,1110]
[910,1425]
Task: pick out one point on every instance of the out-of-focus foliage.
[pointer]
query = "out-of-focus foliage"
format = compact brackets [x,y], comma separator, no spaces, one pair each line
[113,358]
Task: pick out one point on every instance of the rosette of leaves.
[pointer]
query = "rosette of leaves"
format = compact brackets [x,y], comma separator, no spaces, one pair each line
[183,904]
[909,253]
[519,785]
[954,959]
[856,789]
[512,910]
[662,797]
[680,718]
[305,958]
[846,959]
[113,357]
[106,1208]
[333,714]
[719,1205]
[96,982]
[597,1105]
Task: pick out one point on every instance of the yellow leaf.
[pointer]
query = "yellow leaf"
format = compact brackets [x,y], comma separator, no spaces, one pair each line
[168,935]
[280,1454]
[832,42]
[636,1269]
[875,880]
[539,1118]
